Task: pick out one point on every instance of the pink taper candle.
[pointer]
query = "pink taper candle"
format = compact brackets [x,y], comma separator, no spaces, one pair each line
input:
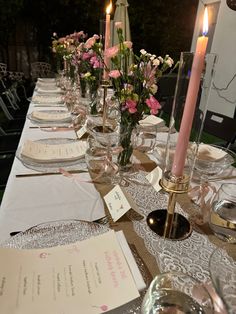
[190,103]
[107,39]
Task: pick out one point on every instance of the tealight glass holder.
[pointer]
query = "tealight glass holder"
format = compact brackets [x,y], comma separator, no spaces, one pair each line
[177,171]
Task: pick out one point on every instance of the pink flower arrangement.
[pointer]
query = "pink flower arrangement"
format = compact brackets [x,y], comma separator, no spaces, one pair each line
[114,74]
[131,105]
[112,52]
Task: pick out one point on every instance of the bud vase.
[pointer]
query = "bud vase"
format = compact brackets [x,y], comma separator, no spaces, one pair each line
[126,142]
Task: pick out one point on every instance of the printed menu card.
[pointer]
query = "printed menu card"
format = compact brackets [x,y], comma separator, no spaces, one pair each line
[89,277]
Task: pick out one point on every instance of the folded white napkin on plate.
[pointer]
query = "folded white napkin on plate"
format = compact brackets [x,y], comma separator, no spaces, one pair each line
[52,90]
[152,120]
[47,99]
[51,116]
[42,152]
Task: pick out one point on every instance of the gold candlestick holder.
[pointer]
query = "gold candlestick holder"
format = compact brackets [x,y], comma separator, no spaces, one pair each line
[167,223]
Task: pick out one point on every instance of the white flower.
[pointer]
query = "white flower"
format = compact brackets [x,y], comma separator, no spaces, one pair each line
[148,55]
[156,62]
[169,62]
[143,51]
[161,59]
[152,58]
[153,89]
[88,74]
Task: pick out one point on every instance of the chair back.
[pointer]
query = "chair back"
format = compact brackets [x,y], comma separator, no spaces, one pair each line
[40,69]
[3,69]
[220,126]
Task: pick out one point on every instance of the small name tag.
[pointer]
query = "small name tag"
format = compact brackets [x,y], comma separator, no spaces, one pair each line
[81,132]
[154,178]
[119,202]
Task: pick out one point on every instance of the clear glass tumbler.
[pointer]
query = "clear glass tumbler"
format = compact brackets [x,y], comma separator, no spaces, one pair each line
[176,293]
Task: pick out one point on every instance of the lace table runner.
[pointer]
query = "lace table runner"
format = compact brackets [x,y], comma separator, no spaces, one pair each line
[188,256]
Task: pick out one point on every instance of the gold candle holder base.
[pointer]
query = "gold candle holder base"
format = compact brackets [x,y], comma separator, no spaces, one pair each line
[180,230]
[167,223]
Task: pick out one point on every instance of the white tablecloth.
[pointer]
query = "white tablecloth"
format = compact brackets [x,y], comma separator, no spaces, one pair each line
[28,201]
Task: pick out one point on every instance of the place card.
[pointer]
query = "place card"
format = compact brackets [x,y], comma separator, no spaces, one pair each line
[53,152]
[154,178]
[81,131]
[90,276]
[119,202]
[51,115]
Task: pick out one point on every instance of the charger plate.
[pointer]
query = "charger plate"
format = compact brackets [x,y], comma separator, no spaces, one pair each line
[38,121]
[65,232]
[51,166]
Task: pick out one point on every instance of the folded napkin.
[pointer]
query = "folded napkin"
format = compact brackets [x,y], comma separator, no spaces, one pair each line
[42,152]
[46,79]
[51,116]
[152,120]
[51,90]
[209,152]
[47,99]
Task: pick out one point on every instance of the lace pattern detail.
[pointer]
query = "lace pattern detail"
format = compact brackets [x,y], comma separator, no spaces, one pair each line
[189,256]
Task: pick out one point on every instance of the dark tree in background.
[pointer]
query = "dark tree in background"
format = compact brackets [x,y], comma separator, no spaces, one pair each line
[26,26]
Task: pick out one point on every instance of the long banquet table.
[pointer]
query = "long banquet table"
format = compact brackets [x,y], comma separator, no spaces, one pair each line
[31,200]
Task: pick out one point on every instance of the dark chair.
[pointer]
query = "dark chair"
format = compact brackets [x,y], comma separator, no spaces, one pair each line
[9,143]
[6,162]
[221,126]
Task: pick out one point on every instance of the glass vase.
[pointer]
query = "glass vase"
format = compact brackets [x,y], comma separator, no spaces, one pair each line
[126,142]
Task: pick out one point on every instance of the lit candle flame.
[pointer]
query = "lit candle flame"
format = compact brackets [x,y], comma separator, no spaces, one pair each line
[109,8]
[205,22]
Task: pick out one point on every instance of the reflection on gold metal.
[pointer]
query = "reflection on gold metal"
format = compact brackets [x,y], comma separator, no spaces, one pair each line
[180,230]
[169,224]
[221,222]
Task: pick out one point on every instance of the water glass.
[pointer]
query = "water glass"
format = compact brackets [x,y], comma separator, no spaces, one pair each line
[146,138]
[222,265]
[223,213]
[174,293]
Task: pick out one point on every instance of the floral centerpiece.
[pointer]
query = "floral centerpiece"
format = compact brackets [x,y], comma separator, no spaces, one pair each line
[87,58]
[135,86]
[64,49]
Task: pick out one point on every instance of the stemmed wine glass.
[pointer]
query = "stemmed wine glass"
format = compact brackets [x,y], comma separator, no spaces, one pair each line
[209,164]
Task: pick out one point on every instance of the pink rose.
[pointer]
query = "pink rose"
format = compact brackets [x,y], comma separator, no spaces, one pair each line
[85,56]
[96,63]
[114,74]
[111,52]
[118,25]
[153,104]
[131,105]
[128,44]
